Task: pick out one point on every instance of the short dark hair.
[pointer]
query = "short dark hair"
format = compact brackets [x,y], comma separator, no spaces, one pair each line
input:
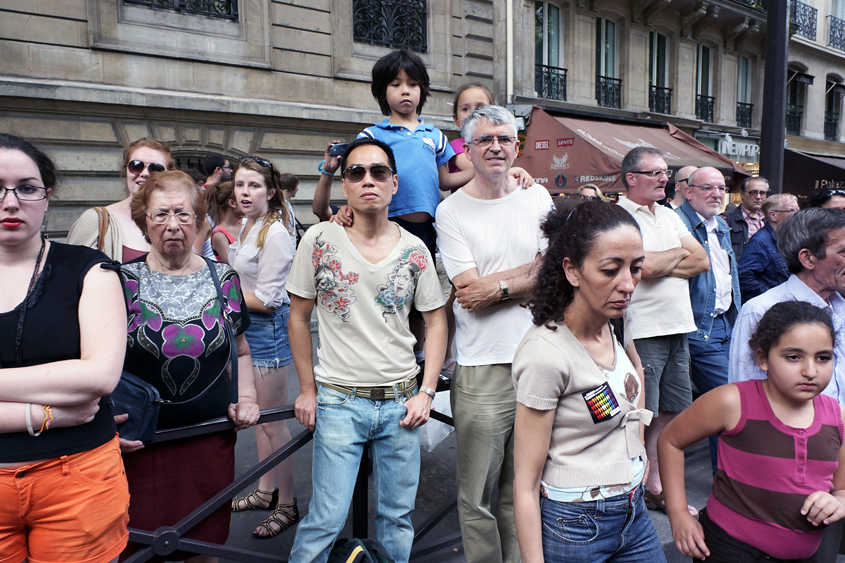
[46,167]
[750,179]
[633,161]
[810,229]
[212,161]
[363,141]
[821,196]
[288,182]
[781,317]
[387,69]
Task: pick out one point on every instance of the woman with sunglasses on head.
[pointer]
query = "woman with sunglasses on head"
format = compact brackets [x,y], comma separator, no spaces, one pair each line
[828,198]
[63,493]
[262,255]
[123,240]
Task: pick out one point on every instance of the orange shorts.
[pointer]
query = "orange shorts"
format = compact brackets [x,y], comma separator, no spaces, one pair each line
[66,509]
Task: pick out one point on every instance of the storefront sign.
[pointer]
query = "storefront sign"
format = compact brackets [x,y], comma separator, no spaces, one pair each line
[739,150]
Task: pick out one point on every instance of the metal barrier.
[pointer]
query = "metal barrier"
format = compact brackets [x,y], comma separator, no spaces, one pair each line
[167,539]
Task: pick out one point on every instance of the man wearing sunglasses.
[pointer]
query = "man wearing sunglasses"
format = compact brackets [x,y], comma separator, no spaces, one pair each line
[364,279]
[488,233]
[748,218]
[661,312]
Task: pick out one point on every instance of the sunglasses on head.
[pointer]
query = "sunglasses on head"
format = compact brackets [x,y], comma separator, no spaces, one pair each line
[378,172]
[257,160]
[138,166]
[834,191]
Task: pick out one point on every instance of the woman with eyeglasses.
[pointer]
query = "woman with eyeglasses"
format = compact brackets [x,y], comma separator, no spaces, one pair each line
[121,239]
[63,493]
[262,255]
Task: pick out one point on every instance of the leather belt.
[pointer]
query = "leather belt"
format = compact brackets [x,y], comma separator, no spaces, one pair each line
[405,388]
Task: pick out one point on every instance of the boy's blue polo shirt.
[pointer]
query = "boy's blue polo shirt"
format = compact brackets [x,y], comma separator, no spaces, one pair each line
[418,153]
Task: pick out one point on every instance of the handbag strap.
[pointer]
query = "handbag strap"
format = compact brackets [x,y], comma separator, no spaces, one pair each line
[227,326]
[103,216]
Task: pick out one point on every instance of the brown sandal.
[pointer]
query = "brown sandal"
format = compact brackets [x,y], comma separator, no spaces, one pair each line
[253,501]
[284,510]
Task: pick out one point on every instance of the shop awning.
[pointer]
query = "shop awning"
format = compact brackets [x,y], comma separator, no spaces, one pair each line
[563,153]
[803,173]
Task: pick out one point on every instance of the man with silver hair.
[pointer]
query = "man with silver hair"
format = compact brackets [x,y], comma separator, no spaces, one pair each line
[489,238]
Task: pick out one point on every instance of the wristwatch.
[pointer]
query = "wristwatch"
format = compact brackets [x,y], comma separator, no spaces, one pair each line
[503,290]
[427,391]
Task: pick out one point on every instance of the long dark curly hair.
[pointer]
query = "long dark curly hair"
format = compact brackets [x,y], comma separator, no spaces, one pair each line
[572,229]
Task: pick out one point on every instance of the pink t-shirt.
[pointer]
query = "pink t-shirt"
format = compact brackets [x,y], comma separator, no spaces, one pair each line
[458,147]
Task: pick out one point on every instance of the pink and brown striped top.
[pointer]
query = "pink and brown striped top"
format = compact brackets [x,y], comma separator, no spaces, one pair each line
[766,471]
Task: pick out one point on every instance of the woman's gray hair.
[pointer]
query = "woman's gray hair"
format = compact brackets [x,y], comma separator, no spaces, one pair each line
[808,229]
[496,115]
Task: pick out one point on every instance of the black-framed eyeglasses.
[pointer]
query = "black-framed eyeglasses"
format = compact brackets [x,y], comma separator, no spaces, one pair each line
[652,173]
[138,166]
[163,217]
[25,193]
[378,172]
[722,189]
[678,181]
[487,140]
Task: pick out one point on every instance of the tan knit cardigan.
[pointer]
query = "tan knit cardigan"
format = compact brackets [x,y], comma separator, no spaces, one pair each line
[86,230]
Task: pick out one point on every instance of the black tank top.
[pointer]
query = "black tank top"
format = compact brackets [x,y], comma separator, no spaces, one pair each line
[51,334]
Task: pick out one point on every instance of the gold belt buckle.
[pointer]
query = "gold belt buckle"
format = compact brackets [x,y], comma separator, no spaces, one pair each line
[377,394]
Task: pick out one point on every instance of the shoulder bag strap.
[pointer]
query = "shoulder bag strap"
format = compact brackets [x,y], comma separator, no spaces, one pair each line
[103,215]
[227,326]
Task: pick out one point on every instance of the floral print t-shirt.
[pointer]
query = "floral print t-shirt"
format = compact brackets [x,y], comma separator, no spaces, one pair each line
[175,340]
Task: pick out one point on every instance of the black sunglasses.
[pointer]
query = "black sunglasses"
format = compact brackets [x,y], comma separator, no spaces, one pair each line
[378,172]
[258,160]
[833,192]
[138,166]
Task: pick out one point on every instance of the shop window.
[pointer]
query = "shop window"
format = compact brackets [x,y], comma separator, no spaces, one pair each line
[608,85]
[397,24]
[549,74]
[659,95]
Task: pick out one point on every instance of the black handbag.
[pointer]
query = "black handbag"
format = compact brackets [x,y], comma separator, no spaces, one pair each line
[142,401]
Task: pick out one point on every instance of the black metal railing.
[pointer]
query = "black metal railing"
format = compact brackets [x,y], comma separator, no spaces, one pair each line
[831,126]
[167,539]
[794,113]
[609,92]
[222,9]
[550,82]
[705,108]
[743,114]
[659,99]
[398,24]
[836,33]
[803,16]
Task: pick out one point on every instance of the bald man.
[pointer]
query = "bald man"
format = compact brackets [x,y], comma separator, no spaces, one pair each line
[681,177]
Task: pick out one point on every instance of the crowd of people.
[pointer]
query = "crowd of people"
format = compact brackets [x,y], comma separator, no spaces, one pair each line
[583,330]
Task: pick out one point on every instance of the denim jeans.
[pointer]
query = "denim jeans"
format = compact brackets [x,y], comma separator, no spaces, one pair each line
[345,424]
[614,529]
[709,361]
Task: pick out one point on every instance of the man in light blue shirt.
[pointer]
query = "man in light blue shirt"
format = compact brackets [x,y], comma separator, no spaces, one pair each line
[812,242]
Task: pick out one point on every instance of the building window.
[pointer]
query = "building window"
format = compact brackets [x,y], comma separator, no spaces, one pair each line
[659,95]
[223,9]
[549,74]
[744,106]
[398,24]
[836,32]
[705,104]
[608,86]
[832,105]
[796,84]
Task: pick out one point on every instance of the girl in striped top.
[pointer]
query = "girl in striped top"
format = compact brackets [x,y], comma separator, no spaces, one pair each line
[779,481]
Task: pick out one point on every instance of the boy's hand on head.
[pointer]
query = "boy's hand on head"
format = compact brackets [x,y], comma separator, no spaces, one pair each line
[523,178]
[822,508]
[689,536]
[343,217]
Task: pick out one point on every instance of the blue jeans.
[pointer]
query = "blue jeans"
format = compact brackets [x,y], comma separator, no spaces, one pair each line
[709,365]
[345,424]
[614,529]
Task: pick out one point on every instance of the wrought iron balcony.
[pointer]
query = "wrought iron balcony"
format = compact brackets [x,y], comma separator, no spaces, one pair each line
[762,5]
[609,92]
[223,9]
[794,113]
[660,99]
[836,34]
[743,114]
[705,108]
[398,24]
[550,82]
[831,126]
[803,16]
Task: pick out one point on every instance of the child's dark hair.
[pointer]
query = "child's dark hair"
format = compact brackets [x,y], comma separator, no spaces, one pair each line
[782,317]
[572,229]
[387,69]
[490,99]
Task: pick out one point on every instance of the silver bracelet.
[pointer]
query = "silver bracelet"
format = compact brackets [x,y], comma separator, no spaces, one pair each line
[32,432]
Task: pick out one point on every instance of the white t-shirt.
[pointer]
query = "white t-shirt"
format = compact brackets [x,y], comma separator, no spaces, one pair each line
[362,308]
[491,236]
[720,265]
[659,306]
[264,271]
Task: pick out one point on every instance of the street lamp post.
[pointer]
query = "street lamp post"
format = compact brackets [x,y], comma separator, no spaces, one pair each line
[774,96]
